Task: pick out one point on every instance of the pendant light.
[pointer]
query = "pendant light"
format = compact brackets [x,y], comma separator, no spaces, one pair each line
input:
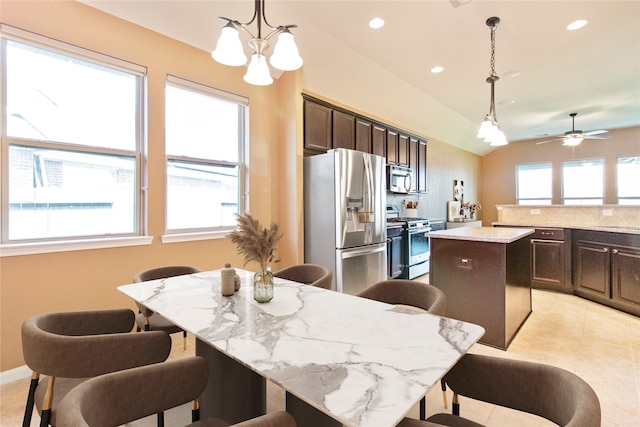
[490,129]
[229,49]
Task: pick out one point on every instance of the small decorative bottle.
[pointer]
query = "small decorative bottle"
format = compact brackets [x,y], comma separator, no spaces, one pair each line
[228,280]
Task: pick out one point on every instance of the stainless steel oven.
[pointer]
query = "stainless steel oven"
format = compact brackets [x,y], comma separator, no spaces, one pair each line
[417,248]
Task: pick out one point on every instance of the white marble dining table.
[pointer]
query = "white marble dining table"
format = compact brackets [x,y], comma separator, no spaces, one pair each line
[353,361]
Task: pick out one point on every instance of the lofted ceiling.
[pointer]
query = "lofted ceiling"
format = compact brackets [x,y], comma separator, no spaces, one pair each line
[547,72]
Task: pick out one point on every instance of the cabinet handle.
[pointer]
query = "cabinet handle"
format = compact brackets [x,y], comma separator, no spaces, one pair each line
[605,250]
[615,251]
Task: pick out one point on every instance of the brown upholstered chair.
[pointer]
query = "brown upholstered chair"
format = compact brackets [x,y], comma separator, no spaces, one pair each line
[412,293]
[309,274]
[147,319]
[126,396]
[547,391]
[70,347]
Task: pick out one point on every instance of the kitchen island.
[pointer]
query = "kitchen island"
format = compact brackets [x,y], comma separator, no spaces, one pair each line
[485,274]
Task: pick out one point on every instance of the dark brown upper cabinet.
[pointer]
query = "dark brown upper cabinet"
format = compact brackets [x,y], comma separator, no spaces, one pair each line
[317,126]
[392,146]
[379,141]
[363,135]
[403,149]
[344,130]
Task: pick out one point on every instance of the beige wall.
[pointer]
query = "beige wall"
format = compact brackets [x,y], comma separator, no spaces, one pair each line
[499,167]
[87,279]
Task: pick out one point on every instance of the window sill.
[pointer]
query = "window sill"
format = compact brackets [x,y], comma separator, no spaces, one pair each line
[189,237]
[17,249]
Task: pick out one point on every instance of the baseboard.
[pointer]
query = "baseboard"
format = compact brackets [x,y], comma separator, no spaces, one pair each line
[15,374]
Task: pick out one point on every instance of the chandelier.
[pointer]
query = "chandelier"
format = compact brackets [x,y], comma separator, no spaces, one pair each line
[490,129]
[229,49]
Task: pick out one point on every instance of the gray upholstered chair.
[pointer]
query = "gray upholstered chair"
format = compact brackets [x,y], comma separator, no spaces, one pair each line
[309,274]
[547,391]
[126,396]
[147,319]
[412,293]
[70,347]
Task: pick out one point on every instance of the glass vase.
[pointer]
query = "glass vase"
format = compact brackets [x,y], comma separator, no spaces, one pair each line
[263,285]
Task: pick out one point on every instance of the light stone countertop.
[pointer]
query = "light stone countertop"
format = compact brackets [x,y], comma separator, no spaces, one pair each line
[483,234]
[627,229]
[377,360]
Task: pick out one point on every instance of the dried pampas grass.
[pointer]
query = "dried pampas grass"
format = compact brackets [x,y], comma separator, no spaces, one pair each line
[254,242]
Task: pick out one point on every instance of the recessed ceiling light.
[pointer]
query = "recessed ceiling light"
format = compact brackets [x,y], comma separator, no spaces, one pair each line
[577,24]
[437,69]
[376,23]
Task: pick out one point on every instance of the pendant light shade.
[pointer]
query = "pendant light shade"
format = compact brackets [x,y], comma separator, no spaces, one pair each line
[229,48]
[285,54]
[258,71]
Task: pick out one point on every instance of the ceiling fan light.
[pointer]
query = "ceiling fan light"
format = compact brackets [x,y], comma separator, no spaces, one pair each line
[258,71]
[572,141]
[285,54]
[229,50]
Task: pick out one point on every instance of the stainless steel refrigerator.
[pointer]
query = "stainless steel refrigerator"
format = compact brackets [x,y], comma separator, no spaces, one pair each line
[344,217]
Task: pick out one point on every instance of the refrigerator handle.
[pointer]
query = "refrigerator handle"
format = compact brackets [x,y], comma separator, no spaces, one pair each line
[369,250]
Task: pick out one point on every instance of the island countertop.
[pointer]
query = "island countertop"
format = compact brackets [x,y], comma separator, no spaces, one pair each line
[483,234]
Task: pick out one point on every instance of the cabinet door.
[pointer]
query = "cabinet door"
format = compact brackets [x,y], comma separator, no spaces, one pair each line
[413,163]
[344,130]
[392,147]
[422,166]
[625,276]
[363,136]
[592,269]
[403,150]
[547,263]
[317,126]
[395,257]
[379,141]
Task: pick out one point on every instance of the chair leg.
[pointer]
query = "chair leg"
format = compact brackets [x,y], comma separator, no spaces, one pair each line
[45,416]
[28,410]
[423,408]
[160,419]
[195,411]
[443,385]
[455,410]
[184,340]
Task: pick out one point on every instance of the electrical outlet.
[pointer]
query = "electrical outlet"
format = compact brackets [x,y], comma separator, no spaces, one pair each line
[534,211]
[607,212]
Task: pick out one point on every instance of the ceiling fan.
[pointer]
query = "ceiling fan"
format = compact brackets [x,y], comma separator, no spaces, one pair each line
[574,137]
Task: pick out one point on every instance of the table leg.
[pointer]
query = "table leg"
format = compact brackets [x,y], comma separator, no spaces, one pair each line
[308,416]
[235,393]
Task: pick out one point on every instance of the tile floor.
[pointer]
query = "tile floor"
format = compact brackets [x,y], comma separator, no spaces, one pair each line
[600,344]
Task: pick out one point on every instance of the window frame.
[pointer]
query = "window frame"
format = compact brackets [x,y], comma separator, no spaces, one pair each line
[531,166]
[67,243]
[597,201]
[634,200]
[204,233]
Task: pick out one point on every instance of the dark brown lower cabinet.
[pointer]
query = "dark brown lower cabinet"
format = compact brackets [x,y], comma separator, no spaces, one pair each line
[607,269]
[551,259]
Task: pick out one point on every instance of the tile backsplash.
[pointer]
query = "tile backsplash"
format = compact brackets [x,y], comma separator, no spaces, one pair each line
[566,216]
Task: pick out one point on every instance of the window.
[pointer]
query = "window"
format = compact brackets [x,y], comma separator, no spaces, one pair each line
[205,140]
[534,184]
[583,182]
[628,179]
[72,139]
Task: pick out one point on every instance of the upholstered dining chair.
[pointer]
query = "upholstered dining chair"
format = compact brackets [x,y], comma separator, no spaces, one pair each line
[547,391]
[126,396]
[411,293]
[309,274]
[69,347]
[147,319]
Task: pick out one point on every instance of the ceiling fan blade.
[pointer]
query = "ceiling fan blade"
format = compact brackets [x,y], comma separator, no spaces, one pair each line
[597,136]
[596,132]
[549,140]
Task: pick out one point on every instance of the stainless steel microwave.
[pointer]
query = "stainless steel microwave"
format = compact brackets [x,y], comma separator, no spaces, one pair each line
[399,179]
